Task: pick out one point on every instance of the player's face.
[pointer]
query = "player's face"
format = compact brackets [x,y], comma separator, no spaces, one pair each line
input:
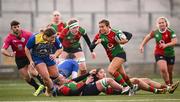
[162,24]
[15,29]
[51,38]
[74,30]
[56,17]
[103,29]
[101,74]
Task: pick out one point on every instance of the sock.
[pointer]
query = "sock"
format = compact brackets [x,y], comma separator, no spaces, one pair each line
[167,82]
[111,91]
[120,79]
[33,83]
[152,89]
[40,79]
[126,79]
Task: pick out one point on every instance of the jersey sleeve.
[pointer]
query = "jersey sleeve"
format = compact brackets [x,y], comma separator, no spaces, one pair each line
[173,35]
[7,42]
[31,42]
[82,31]
[151,34]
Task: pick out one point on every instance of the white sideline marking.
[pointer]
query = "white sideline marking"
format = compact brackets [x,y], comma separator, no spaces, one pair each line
[132,100]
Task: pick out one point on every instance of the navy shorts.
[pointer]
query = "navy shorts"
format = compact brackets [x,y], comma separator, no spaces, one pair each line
[46,60]
[169,60]
[122,55]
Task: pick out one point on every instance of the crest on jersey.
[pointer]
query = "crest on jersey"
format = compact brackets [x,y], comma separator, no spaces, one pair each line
[23,39]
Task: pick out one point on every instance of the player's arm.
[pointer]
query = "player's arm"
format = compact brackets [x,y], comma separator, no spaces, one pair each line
[4,48]
[30,44]
[7,53]
[95,42]
[82,77]
[59,47]
[173,40]
[88,42]
[145,40]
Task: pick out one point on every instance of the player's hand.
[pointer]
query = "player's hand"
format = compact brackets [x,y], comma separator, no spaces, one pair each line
[52,57]
[98,41]
[32,64]
[162,45]
[93,54]
[141,48]
[92,72]
[12,54]
[89,79]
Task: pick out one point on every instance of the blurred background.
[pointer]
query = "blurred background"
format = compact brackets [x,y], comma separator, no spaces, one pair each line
[135,16]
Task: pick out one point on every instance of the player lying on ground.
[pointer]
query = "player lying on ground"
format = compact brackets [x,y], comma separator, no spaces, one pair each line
[94,87]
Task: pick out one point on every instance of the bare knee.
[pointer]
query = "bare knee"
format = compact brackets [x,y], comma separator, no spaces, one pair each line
[109,80]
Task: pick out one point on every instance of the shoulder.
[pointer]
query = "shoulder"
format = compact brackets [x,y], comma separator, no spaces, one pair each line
[170,30]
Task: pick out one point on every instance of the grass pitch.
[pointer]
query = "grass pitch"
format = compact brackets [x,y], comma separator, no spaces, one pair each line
[19,91]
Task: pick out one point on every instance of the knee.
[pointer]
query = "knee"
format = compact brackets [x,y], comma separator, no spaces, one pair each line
[163,70]
[136,81]
[111,71]
[109,80]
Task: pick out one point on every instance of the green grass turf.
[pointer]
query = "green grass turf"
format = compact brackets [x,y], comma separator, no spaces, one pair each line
[18,90]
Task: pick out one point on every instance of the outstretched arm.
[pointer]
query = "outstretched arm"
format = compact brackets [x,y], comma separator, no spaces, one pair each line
[145,40]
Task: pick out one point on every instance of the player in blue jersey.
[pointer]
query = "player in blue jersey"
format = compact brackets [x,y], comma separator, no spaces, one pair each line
[69,67]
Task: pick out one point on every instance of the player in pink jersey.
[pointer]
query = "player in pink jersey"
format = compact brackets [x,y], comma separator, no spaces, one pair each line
[164,51]
[17,39]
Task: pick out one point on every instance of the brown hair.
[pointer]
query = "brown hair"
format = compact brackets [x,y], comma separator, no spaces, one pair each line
[49,32]
[106,22]
[72,21]
[14,23]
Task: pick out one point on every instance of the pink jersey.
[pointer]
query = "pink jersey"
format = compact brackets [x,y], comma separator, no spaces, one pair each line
[17,44]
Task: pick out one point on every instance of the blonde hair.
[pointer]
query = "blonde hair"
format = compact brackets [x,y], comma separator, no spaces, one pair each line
[165,19]
[56,13]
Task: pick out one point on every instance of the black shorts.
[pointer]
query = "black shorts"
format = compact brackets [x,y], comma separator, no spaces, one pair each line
[122,55]
[169,60]
[72,50]
[90,90]
[21,62]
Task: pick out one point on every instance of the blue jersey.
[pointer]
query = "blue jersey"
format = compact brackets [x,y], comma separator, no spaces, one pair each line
[41,49]
[67,67]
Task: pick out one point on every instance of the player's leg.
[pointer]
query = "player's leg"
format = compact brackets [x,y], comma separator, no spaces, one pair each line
[81,61]
[144,86]
[105,82]
[33,72]
[162,64]
[113,70]
[22,64]
[153,83]
[170,66]
[43,71]
[170,72]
